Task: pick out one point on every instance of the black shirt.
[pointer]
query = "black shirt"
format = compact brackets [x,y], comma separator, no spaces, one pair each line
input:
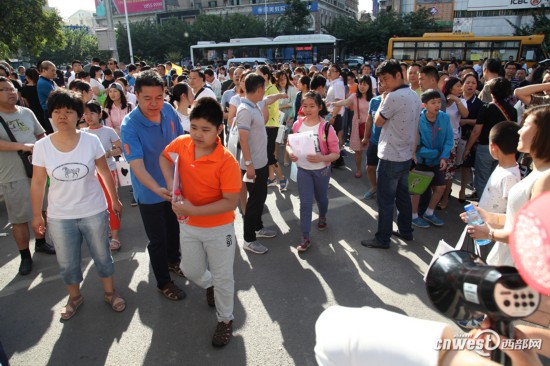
[490,115]
[474,104]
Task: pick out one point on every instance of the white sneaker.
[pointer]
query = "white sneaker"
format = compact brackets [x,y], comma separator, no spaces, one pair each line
[255,247]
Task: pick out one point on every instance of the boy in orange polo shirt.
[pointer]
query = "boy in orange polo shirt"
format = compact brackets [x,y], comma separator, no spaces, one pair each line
[210,184]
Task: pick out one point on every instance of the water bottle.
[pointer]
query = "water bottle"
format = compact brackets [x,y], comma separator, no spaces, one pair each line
[178,197]
[475,219]
[328,117]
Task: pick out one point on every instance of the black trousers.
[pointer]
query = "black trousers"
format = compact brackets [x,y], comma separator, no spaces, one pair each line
[257,193]
[163,231]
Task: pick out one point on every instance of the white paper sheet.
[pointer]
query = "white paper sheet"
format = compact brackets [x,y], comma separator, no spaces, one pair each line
[303,144]
[176,184]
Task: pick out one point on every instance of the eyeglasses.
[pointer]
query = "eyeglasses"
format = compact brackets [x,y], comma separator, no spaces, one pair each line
[110,63]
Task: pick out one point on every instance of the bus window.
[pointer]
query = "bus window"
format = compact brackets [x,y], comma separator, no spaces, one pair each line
[532,53]
[475,55]
[403,54]
[432,53]
[452,54]
[504,54]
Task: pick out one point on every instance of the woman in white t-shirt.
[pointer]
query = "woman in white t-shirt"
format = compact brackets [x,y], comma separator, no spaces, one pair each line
[181,99]
[77,209]
[113,146]
[95,77]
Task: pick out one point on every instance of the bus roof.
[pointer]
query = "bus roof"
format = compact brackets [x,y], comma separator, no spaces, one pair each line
[280,40]
[537,38]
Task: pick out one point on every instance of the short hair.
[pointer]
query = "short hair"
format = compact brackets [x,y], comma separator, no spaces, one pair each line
[147,78]
[122,80]
[208,109]
[391,67]
[200,73]
[430,72]
[32,74]
[45,65]
[107,72]
[505,136]
[118,74]
[337,67]
[500,88]
[429,95]
[131,67]
[113,60]
[540,148]
[96,59]
[94,70]
[449,84]
[317,81]
[76,62]
[5,69]
[209,72]
[511,63]
[62,98]
[80,86]
[161,65]
[305,80]
[414,64]
[253,82]
[82,75]
[492,65]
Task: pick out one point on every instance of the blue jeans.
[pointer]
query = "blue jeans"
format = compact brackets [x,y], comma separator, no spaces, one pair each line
[484,166]
[312,183]
[393,188]
[67,236]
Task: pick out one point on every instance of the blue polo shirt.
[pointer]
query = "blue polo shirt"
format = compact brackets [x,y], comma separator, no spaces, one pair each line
[44,87]
[146,140]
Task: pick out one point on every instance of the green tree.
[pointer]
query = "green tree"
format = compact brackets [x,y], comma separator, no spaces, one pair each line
[540,25]
[25,24]
[295,19]
[78,45]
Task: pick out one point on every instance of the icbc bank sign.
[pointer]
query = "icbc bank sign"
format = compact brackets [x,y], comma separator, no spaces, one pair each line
[506,4]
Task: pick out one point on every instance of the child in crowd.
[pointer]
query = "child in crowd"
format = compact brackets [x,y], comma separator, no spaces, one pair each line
[314,170]
[113,147]
[210,184]
[503,142]
[435,142]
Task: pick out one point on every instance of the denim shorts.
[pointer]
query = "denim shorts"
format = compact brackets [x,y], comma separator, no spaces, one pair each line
[67,236]
[372,154]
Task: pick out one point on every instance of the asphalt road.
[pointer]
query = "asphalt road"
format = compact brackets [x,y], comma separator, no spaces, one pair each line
[279,295]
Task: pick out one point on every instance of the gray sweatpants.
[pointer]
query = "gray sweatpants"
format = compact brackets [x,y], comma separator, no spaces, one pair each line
[207,259]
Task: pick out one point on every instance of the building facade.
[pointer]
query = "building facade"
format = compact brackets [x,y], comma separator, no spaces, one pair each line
[322,12]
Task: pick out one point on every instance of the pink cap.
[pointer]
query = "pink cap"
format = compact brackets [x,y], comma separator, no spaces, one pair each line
[530,243]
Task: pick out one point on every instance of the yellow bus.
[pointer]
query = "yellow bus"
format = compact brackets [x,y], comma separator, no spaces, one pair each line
[467,47]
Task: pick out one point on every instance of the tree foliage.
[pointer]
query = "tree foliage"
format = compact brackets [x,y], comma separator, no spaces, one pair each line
[295,19]
[78,45]
[540,25]
[372,35]
[25,24]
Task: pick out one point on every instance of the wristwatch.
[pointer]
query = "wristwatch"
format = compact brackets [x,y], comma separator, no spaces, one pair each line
[247,162]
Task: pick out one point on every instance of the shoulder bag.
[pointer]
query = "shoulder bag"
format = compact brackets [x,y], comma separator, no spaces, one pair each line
[26,156]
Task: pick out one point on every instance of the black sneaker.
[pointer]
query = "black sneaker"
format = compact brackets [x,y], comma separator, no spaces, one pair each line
[210,300]
[222,334]
[133,203]
[401,236]
[25,267]
[44,247]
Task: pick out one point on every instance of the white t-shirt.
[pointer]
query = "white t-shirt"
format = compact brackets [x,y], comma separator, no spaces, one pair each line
[455,116]
[207,92]
[216,86]
[131,97]
[75,191]
[336,91]
[185,122]
[304,164]
[107,136]
[495,196]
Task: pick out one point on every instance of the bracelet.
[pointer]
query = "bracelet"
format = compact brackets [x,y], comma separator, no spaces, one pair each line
[492,235]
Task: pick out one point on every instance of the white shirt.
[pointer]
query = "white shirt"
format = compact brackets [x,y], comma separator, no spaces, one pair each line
[185,122]
[495,195]
[216,86]
[130,97]
[336,91]
[75,191]
[107,136]
[455,116]
[206,92]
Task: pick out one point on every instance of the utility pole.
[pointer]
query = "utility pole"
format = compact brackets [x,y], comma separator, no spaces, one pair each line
[110,29]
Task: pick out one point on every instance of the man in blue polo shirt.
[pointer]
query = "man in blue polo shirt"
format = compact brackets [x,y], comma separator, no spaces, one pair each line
[145,132]
[44,87]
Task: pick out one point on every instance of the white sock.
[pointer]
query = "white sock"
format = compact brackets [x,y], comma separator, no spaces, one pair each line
[415,216]
[429,212]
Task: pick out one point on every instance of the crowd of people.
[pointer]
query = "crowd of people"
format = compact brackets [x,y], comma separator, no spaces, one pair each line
[171,125]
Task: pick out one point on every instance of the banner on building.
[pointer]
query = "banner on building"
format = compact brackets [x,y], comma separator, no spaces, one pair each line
[134,6]
[312,6]
[474,5]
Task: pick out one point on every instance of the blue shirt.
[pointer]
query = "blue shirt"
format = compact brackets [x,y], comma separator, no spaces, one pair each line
[373,107]
[44,87]
[146,140]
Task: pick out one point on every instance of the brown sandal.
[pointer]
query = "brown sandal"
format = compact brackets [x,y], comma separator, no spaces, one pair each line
[117,303]
[222,334]
[175,267]
[172,292]
[69,310]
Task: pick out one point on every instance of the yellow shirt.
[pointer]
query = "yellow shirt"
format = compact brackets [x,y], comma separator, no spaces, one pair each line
[273,109]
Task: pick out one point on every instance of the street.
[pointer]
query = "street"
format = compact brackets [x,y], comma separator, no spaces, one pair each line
[279,295]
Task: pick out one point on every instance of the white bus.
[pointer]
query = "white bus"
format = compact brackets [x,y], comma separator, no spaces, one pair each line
[308,48]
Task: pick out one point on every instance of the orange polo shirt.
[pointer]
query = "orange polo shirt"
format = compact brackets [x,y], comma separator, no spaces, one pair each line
[203,181]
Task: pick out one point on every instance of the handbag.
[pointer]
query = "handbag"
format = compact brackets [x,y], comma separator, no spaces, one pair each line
[462,244]
[362,125]
[419,181]
[26,156]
